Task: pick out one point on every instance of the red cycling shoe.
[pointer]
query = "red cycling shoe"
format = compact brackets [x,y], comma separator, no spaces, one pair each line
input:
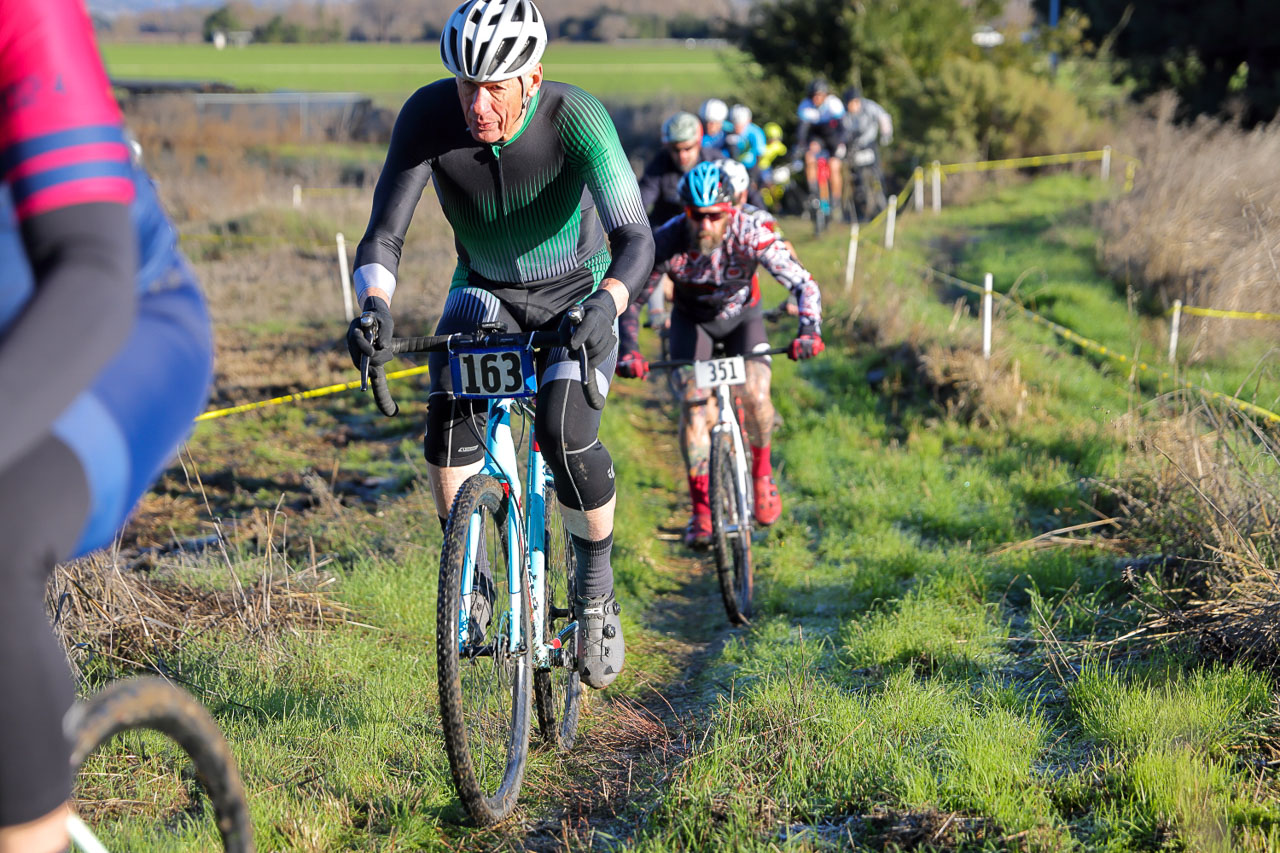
[768,504]
[698,533]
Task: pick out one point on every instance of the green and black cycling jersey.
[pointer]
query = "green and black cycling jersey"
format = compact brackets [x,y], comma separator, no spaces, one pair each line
[525,212]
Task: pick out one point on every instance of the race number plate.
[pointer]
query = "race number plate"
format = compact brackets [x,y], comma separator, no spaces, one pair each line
[491,373]
[720,371]
[865,157]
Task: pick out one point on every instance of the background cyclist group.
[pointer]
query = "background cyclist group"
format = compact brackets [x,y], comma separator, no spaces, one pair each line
[546,214]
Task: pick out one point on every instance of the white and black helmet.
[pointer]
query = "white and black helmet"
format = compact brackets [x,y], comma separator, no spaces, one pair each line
[488,40]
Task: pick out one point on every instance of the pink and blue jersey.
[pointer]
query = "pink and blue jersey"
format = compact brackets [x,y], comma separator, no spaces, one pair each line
[63,150]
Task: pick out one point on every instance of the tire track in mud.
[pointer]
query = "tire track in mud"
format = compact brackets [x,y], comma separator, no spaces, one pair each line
[615,773]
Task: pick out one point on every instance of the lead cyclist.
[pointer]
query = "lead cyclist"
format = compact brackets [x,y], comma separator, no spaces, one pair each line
[532,177]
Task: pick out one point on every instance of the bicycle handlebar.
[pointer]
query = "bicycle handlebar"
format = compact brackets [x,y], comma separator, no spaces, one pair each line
[376,376]
[671,364]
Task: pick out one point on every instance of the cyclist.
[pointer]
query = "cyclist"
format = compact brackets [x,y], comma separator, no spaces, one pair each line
[746,141]
[864,121]
[773,179]
[532,178]
[713,114]
[660,181]
[711,253]
[105,359]
[856,103]
[821,135]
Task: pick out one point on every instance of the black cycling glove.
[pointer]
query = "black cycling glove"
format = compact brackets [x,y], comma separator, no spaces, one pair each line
[595,332]
[379,352]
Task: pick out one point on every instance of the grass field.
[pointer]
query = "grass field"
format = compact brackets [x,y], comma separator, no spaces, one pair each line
[390,72]
[925,673]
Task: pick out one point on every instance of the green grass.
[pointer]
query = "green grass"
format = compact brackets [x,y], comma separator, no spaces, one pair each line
[391,72]
[907,671]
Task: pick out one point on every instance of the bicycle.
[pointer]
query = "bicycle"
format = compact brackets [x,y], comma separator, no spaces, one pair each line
[731,486]
[497,642]
[154,704]
[864,185]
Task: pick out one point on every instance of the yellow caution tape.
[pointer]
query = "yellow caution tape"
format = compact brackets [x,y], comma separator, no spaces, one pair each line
[1094,346]
[1022,162]
[1230,315]
[302,395]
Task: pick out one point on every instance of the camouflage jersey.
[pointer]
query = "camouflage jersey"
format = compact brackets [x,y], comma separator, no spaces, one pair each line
[526,212]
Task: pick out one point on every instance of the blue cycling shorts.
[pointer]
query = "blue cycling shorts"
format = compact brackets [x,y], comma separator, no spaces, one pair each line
[126,427]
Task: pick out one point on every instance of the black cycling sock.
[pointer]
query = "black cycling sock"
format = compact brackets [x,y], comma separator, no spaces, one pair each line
[595,573]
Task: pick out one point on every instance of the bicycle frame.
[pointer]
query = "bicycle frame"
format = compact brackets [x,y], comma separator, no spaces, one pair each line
[526,534]
[727,422]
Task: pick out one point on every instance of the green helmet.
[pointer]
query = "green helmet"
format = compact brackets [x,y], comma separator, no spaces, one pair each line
[681,127]
[773,131]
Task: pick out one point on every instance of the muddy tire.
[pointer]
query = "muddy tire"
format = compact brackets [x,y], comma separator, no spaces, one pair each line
[731,530]
[557,692]
[155,704]
[485,685]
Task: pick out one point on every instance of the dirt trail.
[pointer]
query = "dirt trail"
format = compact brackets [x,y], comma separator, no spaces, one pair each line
[631,746]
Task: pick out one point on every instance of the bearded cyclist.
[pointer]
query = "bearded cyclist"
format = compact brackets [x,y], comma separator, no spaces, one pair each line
[532,178]
[711,254]
[105,359]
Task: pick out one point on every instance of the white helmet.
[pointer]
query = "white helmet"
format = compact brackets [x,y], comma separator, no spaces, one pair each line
[487,40]
[736,173]
[714,109]
[740,114]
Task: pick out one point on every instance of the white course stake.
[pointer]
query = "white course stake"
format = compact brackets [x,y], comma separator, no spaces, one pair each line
[345,273]
[1173,331]
[297,196]
[852,262]
[986,317]
[1106,163]
[891,222]
[919,190]
[937,187]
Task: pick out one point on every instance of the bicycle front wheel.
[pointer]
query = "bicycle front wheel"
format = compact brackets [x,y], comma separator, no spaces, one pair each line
[155,704]
[558,690]
[482,654]
[731,524]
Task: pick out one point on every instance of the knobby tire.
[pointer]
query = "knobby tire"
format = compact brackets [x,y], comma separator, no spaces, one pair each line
[558,691]
[733,551]
[479,739]
[155,704]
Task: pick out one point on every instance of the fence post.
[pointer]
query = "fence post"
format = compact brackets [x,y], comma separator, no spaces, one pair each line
[986,317]
[852,262]
[1173,331]
[891,223]
[919,189]
[937,187]
[1106,163]
[297,196]
[346,278]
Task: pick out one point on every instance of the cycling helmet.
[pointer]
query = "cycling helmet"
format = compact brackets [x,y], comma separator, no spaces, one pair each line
[681,127]
[705,186]
[851,93]
[739,180]
[773,131]
[740,114]
[819,85]
[714,109]
[488,40]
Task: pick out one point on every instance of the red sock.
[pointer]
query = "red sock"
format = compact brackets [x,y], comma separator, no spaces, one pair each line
[761,465]
[700,493]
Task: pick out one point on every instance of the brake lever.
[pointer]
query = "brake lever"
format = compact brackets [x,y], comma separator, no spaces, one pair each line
[369,323]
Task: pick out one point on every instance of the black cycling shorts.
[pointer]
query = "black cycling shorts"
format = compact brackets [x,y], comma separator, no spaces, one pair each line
[566,427]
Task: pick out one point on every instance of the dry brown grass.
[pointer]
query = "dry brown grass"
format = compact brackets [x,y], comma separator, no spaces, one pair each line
[1203,221]
[1205,500]
[141,610]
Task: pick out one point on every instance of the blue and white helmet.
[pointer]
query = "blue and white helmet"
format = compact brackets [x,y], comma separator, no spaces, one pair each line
[488,40]
[736,173]
[705,185]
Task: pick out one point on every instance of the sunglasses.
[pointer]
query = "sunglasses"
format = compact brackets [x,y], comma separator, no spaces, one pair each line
[709,215]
